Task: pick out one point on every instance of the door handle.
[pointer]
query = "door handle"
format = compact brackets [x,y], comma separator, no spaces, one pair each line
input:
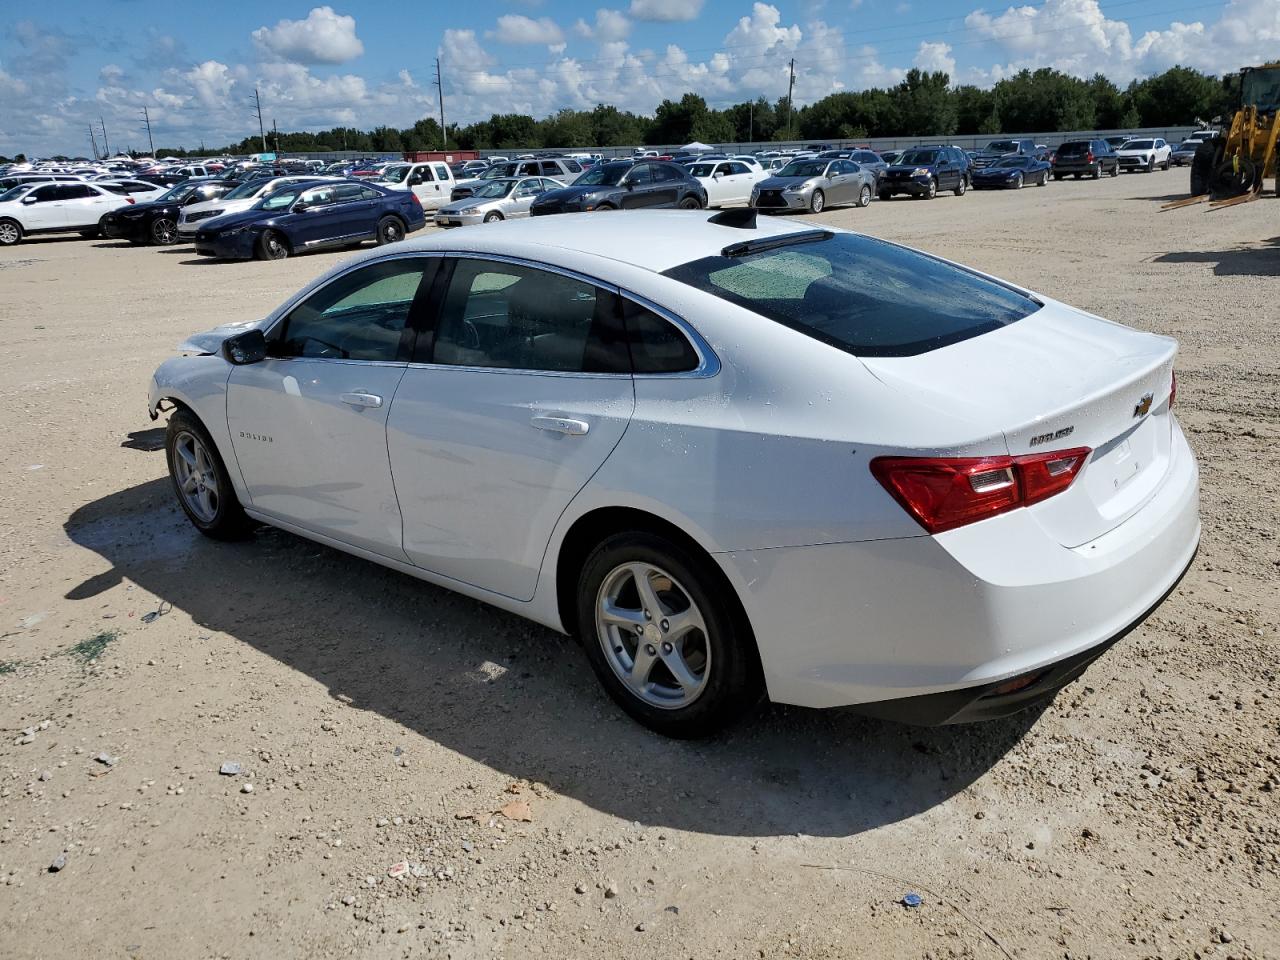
[361,399]
[574,428]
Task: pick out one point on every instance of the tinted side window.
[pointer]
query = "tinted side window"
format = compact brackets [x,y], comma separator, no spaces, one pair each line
[347,192]
[656,345]
[550,168]
[360,316]
[641,174]
[368,193]
[45,194]
[520,318]
[573,166]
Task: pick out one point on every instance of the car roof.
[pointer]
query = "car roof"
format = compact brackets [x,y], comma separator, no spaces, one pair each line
[655,240]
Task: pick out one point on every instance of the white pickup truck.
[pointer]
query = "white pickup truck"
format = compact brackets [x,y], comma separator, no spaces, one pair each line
[432,181]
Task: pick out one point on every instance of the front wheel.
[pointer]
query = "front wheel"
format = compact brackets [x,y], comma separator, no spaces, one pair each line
[1017,182]
[1151,165]
[817,201]
[864,196]
[933,188]
[663,636]
[962,186]
[200,480]
[164,232]
[390,230]
[10,233]
[271,246]
[493,216]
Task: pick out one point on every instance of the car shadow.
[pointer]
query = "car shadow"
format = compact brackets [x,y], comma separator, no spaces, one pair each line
[1259,260]
[147,441]
[520,698]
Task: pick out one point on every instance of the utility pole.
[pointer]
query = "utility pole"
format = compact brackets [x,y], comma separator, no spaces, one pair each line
[106,147]
[444,134]
[146,121]
[790,89]
[93,139]
[257,103]
[751,122]
[275,135]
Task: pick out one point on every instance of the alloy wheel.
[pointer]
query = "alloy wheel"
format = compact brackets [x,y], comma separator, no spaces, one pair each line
[391,232]
[165,231]
[9,234]
[653,635]
[196,476]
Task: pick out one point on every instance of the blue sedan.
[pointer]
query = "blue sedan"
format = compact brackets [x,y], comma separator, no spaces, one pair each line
[1013,172]
[312,216]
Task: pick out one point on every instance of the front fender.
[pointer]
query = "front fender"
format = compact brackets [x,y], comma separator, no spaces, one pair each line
[199,383]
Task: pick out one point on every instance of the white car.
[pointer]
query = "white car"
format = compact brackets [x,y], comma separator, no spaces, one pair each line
[242,197]
[57,208]
[726,181]
[1145,154]
[736,458]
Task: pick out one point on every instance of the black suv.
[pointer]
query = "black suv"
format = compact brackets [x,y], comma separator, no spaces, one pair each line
[625,185]
[1080,157]
[923,171]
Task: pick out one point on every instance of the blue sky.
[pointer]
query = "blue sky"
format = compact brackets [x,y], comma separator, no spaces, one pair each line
[64,63]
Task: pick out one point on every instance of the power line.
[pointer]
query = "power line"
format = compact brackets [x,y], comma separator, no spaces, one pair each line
[484,77]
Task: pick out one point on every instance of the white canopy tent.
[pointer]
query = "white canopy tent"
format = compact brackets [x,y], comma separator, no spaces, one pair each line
[696,147]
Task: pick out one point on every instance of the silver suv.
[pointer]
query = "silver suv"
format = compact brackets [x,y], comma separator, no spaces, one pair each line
[563,169]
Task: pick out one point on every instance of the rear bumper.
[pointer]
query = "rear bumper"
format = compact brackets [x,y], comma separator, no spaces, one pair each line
[988,702]
[860,623]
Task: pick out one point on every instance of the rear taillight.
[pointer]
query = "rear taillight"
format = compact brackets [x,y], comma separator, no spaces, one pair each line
[1088,157]
[416,198]
[1173,389]
[943,493]
[129,200]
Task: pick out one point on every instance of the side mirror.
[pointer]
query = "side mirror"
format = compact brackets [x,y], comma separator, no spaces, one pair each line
[301,207]
[717,175]
[247,347]
[28,200]
[629,184]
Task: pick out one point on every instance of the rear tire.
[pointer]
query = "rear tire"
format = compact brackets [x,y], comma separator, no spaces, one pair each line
[1115,171]
[715,672]
[390,230]
[962,186]
[690,203]
[1096,173]
[200,480]
[10,233]
[272,246]
[864,196]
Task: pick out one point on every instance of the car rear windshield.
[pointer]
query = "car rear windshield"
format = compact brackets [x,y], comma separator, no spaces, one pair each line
[862,295]
[1072,147]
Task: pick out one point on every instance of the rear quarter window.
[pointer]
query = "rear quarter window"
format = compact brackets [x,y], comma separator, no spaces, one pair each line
[861,295]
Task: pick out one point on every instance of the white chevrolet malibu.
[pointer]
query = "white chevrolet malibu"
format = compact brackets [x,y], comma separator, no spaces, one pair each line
[734,458]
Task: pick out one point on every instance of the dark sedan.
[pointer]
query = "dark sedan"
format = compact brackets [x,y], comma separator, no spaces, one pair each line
[312,216]
[625,185]
[157,222]
[1012,173]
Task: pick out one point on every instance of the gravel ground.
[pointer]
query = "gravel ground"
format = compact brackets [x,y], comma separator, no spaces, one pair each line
[383,726]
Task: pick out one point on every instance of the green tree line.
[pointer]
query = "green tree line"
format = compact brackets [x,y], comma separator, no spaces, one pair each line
[923,104]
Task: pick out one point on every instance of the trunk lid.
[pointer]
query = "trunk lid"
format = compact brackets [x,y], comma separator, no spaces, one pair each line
[1056,380]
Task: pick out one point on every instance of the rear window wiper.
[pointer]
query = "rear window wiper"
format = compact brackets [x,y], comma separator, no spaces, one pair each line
[744,247]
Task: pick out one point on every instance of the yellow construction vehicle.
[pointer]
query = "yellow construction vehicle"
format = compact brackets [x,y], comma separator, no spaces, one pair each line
[1230,168]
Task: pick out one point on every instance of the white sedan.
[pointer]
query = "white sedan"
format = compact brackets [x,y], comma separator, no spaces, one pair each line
[737,459]
[726,181]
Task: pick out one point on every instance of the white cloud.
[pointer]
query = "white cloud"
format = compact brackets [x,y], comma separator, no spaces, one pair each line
[323,37]
[610,25]
[935,56]
[518,29]
[665,11]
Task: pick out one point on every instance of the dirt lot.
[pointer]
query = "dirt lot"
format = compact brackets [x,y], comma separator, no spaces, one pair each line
[379,719]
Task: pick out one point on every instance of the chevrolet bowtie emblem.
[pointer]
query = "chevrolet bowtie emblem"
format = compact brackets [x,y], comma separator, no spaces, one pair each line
[1143,406]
